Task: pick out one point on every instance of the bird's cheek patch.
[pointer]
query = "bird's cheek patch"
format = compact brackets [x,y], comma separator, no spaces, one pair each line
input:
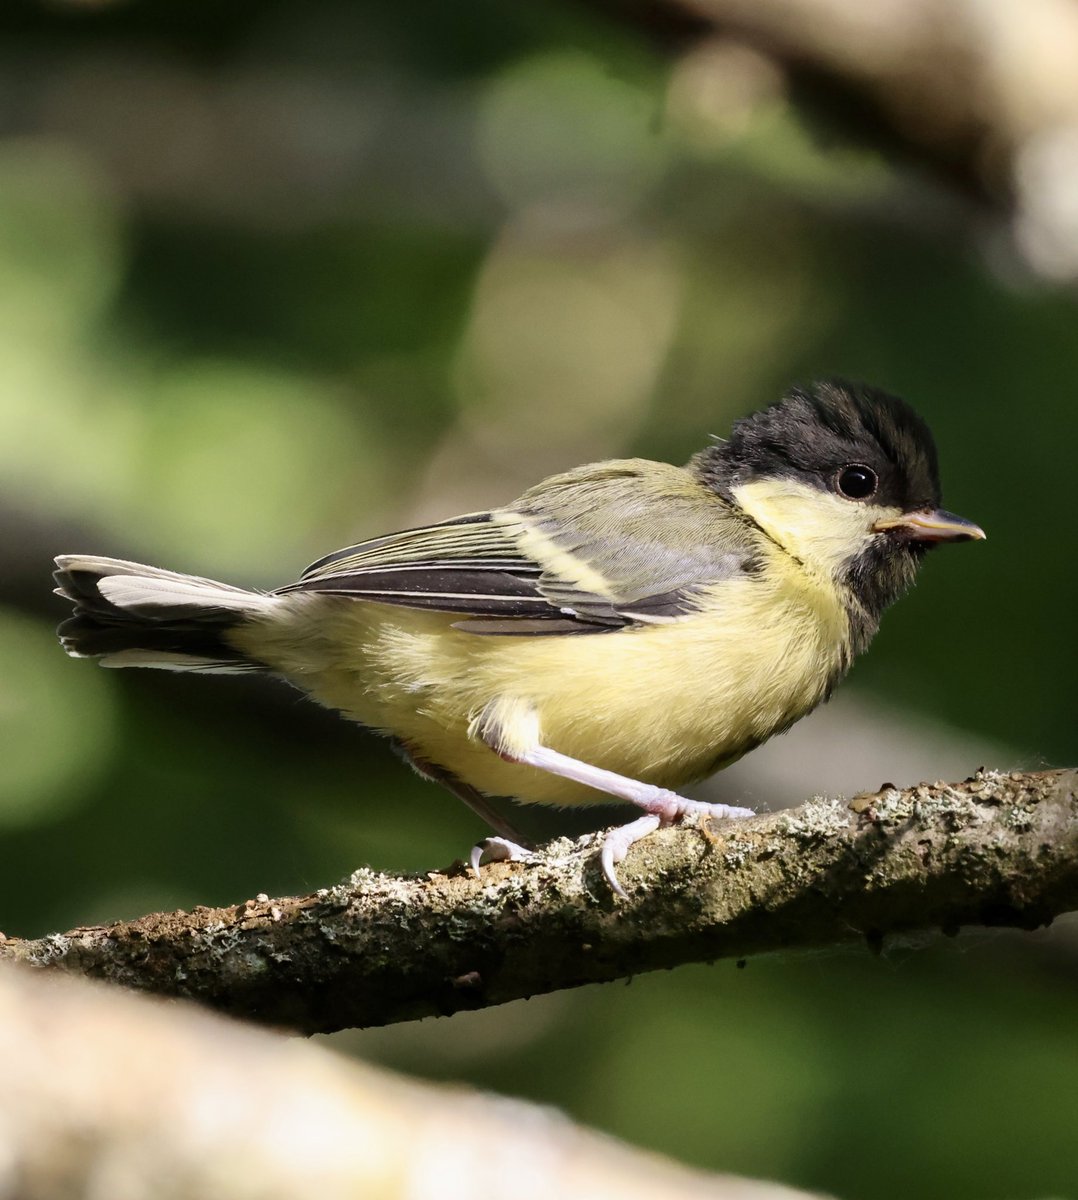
[819,528]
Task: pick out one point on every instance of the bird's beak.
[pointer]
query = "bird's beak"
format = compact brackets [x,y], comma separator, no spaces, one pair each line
[932,525]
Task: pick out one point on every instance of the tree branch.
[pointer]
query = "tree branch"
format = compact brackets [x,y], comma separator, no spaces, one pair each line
[998,849]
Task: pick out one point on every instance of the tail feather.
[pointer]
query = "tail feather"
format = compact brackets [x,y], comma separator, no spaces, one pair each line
[131,615]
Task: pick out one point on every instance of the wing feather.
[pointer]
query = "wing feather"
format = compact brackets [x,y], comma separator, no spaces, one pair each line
[586,552]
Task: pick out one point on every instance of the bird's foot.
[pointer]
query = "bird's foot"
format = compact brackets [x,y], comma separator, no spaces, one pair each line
[496,849]
[665,808]
[671,808]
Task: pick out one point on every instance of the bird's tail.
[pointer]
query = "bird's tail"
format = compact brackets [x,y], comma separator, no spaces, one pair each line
[130,615]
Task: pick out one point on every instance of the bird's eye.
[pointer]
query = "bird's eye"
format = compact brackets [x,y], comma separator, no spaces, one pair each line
[857,482]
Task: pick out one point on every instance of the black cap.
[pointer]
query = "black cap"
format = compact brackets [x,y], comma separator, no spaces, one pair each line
[817,430]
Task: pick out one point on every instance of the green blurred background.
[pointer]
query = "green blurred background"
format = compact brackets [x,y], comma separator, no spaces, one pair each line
[279,276]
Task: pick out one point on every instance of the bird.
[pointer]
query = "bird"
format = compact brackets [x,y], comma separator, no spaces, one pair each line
[620,631]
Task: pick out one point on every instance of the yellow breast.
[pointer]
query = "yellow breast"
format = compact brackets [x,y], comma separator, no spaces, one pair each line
[666,703]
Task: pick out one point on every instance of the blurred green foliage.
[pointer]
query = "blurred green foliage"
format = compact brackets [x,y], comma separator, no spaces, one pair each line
[277,276]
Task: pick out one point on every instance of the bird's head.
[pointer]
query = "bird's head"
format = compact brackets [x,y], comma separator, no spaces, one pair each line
[845,478]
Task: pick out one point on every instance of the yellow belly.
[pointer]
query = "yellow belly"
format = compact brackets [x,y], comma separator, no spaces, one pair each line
[665,704]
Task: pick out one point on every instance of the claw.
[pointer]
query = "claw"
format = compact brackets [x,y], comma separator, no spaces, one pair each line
[616,845]
[496,849]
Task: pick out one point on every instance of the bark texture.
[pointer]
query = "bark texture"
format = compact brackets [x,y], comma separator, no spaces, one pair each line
[994,850]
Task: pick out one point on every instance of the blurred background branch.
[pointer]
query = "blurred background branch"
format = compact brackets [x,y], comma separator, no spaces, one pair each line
[982,96]
[997,850]
[113,1095]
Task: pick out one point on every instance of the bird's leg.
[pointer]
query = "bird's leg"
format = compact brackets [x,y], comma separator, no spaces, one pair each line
[662,806]
[520,743]
[476,801]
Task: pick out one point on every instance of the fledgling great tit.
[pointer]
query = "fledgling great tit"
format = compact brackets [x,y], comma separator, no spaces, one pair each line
[621,630]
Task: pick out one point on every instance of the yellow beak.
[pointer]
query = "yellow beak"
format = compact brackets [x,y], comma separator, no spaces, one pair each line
[928,525]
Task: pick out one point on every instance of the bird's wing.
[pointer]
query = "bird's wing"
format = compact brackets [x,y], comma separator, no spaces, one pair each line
[588,551]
